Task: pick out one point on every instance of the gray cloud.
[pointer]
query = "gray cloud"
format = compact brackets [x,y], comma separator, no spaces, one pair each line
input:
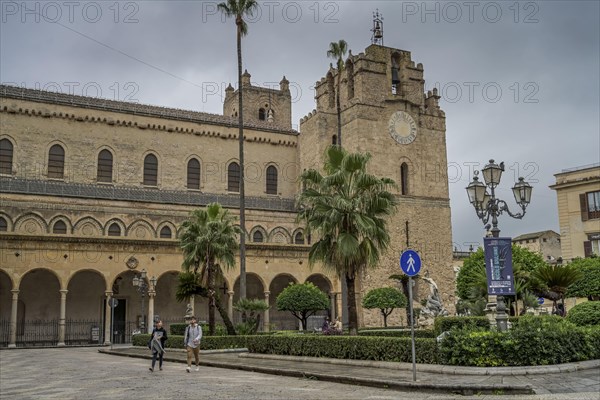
[543,56]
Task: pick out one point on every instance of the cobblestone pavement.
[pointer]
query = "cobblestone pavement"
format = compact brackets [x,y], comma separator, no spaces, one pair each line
[84,373]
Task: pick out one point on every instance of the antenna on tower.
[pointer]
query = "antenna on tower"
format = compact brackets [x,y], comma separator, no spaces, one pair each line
[377,36]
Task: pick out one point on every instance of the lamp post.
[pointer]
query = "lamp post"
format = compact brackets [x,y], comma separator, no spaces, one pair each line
[142,285]
[487,206]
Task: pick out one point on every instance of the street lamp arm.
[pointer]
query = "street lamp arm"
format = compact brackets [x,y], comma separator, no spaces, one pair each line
[503,207]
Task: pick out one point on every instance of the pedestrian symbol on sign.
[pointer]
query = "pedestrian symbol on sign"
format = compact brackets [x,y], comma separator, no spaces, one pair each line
[410,262]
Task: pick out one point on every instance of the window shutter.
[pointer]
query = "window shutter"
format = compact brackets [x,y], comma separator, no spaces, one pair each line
[584,207]
[587,248]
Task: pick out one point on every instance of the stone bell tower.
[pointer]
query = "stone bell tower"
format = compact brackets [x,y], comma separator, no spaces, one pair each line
[387,112]
[261,104]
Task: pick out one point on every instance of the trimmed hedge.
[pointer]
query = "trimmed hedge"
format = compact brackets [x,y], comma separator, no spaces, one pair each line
[531,341]
[584,314]
[419,333]
[346,347]
[443,324]
[179,329]
[207,342]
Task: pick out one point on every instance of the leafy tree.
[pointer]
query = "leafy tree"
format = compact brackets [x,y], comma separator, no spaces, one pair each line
[403,280]
[589,285]
[208,242]
[250,309]
[239,9]
[385,299]
[337,51]
[347,208]
[556,280]
[471,282]
[302,300]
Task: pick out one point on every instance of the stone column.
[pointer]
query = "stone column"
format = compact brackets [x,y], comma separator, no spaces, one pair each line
[63,315]
[267,321]
[150,326]
[13,318]
[108,320]
[332,306]
[193,304]
[230,305]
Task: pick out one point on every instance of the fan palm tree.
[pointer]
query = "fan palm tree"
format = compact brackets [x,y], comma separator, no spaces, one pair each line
[208,242]
[239,9]
[337,51]
[347,208]
[556,279]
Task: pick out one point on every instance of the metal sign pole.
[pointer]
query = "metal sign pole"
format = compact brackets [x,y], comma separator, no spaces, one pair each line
[412,327]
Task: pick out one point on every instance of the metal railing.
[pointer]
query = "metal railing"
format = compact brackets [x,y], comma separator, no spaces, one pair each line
[4,332]
[82,332]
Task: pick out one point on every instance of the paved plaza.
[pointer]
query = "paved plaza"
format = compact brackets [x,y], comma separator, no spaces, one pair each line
[84,373]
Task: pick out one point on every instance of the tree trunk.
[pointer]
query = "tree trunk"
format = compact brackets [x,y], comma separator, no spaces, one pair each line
[352,314]
[338,107]
[384,320]
[241,156]
[225,316]
[211,297]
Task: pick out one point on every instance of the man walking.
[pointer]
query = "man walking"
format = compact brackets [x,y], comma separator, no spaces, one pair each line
[193,334]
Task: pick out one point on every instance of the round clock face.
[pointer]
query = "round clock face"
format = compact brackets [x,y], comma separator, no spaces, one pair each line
[402,127]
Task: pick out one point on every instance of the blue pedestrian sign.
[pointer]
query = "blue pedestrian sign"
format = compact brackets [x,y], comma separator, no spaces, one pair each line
[410,262]
[540,300]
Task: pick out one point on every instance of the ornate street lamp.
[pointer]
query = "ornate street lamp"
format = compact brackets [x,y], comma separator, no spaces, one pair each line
[488,206]
[142,285]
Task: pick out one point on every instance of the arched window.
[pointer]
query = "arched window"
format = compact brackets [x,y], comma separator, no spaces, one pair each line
[261,114]
[334,140]
[114,230]
[165,233]
[299,238]
[271,180]
[193,174]
[3,225]
[6,157]
[105,166]
[59,228]
[150,170]
[233,177]
[404,179]
[56,162]
[257,237]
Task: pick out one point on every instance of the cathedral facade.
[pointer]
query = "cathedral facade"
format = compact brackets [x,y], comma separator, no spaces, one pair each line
[94,191]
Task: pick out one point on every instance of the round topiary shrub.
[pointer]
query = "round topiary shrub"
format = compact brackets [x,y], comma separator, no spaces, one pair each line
[585,314]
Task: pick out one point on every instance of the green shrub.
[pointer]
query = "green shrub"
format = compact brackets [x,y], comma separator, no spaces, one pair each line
[345,347]
[593,338]
[419,333]
[443,324]
[207,342]
[584,314]
[179,329]
[541,340]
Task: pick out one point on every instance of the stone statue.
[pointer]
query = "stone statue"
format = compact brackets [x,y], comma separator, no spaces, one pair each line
[434,306]
[189,312]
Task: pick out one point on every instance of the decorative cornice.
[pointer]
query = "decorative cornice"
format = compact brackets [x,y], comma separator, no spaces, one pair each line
[145,195]
[40,96]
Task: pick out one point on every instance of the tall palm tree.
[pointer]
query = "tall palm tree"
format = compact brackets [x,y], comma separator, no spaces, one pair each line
[208,243]
[337,51]
[556,279]
[239,9]
[346,207]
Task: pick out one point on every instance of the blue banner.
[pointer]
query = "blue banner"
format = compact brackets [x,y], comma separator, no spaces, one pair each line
[498,266]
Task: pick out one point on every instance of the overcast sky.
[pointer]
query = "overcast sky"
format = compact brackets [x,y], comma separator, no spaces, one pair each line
[519,80]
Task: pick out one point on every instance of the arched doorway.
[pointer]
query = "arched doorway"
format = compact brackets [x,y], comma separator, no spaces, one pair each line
[255,289]
[38,316]
[166,306]
[5,308]
[281,320]
[85,308]
[127,314]
[320,281]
